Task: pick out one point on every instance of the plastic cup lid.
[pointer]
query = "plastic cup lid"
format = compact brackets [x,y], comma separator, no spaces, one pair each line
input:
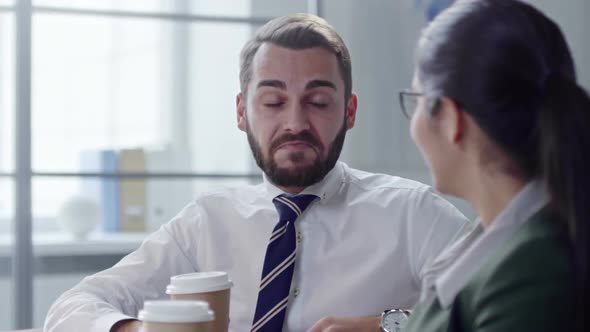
[199,282]
[166,311]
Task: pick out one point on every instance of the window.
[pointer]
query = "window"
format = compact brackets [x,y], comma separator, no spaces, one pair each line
[152,82]
[121,79]
[6,92]
[128,83]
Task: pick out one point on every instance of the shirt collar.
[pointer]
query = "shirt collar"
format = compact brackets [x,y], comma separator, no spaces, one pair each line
[532,198]
[324,189]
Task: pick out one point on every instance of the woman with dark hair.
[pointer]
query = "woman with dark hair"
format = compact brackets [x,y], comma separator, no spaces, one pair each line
[502,123]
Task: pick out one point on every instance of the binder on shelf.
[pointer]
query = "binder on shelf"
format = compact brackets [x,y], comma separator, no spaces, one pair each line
[165,197]
[132,212]
[105,191]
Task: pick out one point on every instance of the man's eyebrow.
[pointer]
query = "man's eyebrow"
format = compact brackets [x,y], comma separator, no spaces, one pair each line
[311,85]
[273,84]
[320,83]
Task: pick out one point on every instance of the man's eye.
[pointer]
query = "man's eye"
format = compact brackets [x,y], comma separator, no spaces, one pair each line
[274,105]
[319,105]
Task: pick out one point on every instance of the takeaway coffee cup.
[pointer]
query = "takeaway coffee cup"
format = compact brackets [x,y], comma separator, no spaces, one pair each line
[212,287]
[176,316]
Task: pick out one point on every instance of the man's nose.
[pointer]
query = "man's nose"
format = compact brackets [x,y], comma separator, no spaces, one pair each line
[296,119]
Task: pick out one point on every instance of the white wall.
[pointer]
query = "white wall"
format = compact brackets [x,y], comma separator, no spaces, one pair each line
[380,36]
[572,17]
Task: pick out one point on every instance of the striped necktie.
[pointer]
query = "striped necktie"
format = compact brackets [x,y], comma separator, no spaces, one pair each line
[279,263]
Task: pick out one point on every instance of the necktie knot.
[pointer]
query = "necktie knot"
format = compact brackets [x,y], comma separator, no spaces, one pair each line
[291,207]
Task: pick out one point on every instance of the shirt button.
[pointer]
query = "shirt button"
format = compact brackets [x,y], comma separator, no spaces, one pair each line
[299,237]
[295,292]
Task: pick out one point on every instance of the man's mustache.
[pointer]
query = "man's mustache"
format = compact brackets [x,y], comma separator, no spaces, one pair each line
[304,136]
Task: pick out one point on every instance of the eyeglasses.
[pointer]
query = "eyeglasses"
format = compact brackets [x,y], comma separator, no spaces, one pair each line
[408,101]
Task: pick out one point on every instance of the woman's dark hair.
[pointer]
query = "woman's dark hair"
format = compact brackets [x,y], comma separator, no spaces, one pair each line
[510,68]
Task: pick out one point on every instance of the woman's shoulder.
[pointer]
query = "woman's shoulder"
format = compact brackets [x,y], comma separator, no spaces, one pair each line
[529,282]
[539,249]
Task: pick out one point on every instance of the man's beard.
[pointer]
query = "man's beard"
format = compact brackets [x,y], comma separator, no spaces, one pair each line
[302,176]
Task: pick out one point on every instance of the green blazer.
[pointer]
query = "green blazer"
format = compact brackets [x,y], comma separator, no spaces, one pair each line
[527,285]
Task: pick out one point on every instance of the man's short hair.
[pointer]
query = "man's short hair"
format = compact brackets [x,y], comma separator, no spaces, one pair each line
[297,31]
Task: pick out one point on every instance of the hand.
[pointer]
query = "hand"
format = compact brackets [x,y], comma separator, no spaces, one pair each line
[127,326]
[347,324]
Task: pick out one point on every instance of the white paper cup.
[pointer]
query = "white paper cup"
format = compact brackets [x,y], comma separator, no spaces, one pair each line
[176,316]
[212,287]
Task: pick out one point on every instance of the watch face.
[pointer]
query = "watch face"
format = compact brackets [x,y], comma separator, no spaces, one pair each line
[394,321]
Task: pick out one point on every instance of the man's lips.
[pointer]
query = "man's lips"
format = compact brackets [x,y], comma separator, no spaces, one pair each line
[295,145]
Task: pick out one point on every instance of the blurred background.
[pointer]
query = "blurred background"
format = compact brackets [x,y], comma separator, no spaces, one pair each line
[115,113]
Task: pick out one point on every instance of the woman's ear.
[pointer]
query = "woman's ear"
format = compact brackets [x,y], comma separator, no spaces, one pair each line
[451,119]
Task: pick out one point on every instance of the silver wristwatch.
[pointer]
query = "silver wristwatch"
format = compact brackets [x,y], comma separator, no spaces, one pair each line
[394,320]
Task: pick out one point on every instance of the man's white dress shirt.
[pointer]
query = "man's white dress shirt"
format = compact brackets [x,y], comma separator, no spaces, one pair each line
[362,248]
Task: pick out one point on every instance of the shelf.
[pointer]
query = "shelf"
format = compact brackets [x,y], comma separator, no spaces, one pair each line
[63,244]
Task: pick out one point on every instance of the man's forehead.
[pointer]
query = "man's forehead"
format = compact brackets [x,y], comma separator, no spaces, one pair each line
[274,62]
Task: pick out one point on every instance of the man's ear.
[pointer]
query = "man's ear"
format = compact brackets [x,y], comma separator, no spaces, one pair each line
[452,119]
[351,107]
[241,111]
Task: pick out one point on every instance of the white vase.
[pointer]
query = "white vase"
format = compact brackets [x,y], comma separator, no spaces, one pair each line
[79,215]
